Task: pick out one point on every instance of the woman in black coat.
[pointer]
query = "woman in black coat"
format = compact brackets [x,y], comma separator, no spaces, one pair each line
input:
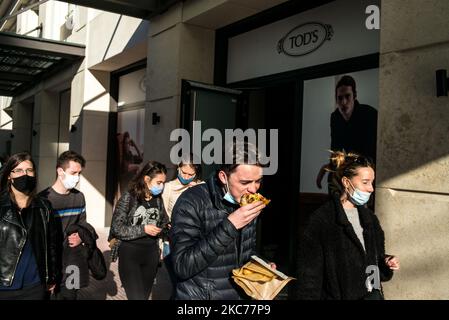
[29,252]
[342,252]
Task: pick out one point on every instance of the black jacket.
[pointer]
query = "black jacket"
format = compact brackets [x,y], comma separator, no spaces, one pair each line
[359,134]
[122,227]
[42,234]
[332,261]
[206,246]
[78,256]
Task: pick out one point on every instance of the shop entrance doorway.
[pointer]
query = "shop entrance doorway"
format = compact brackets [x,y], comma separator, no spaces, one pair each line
[264,107]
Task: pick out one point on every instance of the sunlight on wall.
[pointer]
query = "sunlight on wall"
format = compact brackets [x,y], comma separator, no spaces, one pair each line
[431,177]
[95,203]
[420,240]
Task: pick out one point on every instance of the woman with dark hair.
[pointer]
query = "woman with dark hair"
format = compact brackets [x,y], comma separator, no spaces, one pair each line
[342,252]
[28,244]
[138,220]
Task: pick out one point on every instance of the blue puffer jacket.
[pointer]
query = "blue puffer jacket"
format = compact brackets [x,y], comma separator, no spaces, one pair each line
[206,246]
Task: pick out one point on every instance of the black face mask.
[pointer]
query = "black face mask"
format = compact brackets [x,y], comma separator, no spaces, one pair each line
[24,184]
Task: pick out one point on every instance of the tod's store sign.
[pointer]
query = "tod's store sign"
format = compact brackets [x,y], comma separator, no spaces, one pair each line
[305,39]
[325,34]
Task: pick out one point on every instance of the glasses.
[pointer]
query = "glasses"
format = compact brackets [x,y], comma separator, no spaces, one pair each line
[23,171]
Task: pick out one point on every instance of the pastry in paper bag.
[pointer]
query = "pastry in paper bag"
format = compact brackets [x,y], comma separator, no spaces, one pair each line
[259,280]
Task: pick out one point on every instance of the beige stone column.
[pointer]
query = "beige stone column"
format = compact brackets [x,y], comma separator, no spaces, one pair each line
[45,136]
[412,197]
[176,51]
[112,42]
[90,105]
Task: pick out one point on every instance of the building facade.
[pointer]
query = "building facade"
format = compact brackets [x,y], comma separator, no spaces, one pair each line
[272,64]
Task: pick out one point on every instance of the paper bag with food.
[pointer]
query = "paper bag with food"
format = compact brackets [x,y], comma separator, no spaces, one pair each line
[259,280]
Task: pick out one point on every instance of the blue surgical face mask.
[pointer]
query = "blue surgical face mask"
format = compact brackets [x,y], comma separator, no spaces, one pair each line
[228,197]
[156,190]
[185,181]
[358,197]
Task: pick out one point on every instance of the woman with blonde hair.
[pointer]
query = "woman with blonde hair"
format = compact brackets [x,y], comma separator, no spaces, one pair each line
[342,251]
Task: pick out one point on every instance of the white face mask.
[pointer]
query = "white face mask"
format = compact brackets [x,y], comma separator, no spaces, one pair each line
[359,197]
[70,181]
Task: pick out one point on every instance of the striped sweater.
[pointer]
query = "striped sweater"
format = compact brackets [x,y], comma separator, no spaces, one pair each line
[69,208]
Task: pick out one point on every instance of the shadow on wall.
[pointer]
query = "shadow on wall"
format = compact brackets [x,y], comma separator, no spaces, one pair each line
[140,35]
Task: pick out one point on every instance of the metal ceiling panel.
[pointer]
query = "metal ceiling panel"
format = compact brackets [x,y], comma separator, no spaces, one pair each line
[24,61]
[143,9]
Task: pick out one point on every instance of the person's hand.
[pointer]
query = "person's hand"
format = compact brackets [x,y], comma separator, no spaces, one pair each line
[244,215]
[74,240]
[273,265]
[392,262]
[152,230]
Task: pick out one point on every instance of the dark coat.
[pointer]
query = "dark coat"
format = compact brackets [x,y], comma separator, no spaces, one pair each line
[359,134]
[332,261]
[122,227]
[206,246]
[43,235]
[78,256]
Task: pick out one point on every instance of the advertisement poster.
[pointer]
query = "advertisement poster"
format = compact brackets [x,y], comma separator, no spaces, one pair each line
[130,139]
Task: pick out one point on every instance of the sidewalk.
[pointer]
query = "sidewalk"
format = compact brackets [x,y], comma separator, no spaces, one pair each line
[111,288]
